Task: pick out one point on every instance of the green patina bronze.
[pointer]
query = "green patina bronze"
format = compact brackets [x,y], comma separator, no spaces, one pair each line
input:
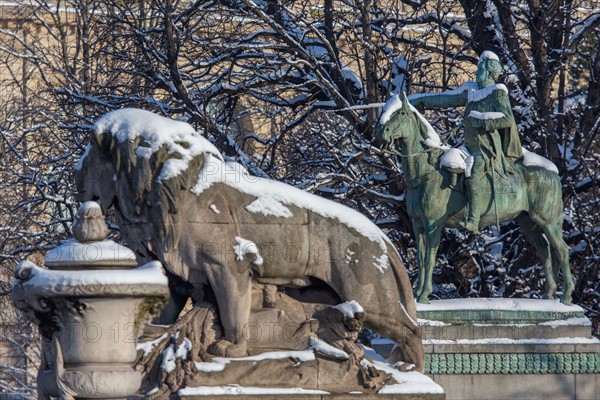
[499,317]
[500,187]
[512,363]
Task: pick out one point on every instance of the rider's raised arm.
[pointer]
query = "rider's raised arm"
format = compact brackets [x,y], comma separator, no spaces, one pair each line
[498,116]
[450,98]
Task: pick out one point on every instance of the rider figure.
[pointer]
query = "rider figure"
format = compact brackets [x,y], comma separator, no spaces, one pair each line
[490,130]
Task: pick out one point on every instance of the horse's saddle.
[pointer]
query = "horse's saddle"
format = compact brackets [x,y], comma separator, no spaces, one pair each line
[458,161]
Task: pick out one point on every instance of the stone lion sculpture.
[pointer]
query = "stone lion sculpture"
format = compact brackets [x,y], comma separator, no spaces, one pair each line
[218,230]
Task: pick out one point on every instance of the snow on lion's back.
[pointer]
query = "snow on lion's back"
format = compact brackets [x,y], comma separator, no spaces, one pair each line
[272,196]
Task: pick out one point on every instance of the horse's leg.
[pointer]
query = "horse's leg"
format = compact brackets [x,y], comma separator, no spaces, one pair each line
[560,252]
[232,288]
[534,235]
[432,242]
[420,240]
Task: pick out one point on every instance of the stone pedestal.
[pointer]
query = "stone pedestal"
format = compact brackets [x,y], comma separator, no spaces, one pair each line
[355,396]
[509,349]
[90,304]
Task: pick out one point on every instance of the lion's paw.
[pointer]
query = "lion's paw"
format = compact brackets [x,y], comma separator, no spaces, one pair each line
[224,348]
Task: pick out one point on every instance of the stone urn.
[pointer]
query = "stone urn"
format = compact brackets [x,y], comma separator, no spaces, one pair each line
[90,304]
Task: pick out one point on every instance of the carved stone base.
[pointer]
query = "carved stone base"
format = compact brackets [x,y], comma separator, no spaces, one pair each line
[354,396]
[294,349]
[492,349]
[97,381]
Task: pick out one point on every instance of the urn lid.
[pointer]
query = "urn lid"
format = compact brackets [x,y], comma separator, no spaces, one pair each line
[88,249]
[106,254]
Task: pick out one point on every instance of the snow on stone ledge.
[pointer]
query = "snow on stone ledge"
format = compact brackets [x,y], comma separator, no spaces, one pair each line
[407,382]
[148,274]
[242,390]
[575,321]
[219,363]
[498,304]
[507,341]
[71,251]
[327,350]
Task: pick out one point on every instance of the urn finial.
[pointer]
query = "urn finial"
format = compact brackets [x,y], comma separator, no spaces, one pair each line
[89,225]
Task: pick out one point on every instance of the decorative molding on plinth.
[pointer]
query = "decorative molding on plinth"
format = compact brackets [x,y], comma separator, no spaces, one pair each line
[516,363]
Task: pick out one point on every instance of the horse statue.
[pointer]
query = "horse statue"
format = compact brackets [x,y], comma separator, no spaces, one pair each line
[434,198]
[218,230]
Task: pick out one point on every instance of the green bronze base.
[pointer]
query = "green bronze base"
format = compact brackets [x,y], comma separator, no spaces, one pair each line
[509,349]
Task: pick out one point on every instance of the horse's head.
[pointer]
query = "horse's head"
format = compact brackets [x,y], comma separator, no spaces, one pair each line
[397,120]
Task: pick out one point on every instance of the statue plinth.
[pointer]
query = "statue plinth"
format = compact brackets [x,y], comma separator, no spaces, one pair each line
[499,348]
[89,317]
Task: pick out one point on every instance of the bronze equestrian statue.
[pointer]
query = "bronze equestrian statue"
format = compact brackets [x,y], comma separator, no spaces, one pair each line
[499,186]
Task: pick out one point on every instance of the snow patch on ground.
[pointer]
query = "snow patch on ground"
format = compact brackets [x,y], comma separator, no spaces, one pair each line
[214,209]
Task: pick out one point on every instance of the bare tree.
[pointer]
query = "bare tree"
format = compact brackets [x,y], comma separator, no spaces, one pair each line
[290,89]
